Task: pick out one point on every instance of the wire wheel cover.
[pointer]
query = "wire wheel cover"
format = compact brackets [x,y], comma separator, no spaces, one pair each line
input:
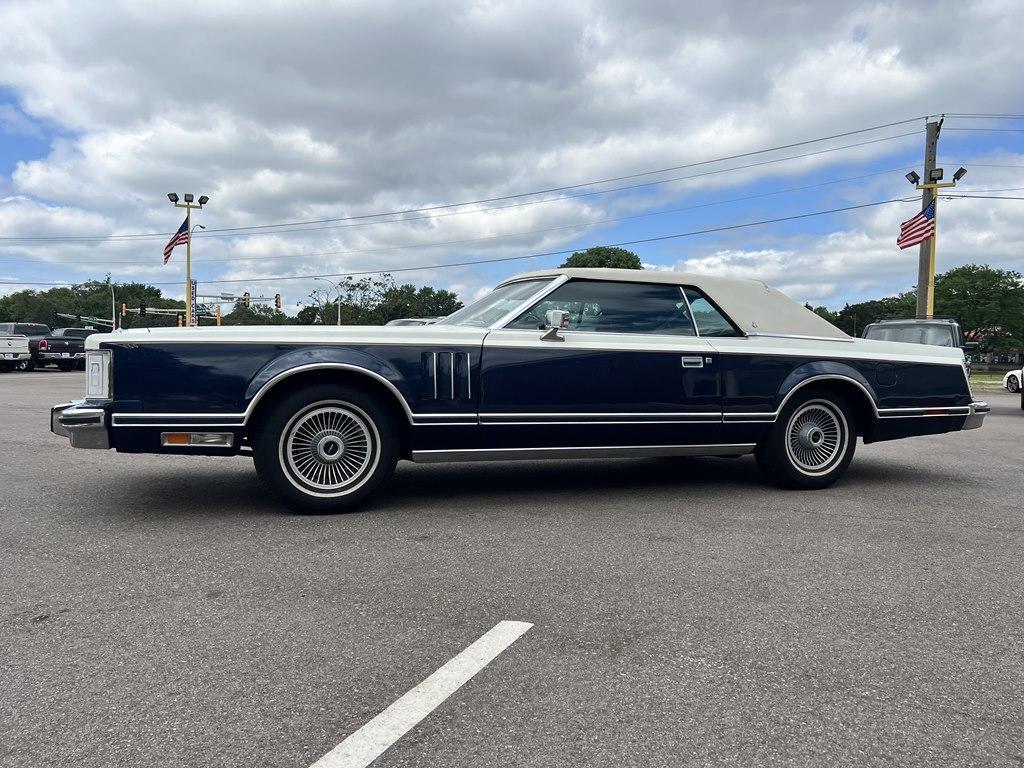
[329,447]
[816,437]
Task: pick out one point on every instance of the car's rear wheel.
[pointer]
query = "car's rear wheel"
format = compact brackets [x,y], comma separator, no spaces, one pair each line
[1013,384]
[326,448]
[811,443]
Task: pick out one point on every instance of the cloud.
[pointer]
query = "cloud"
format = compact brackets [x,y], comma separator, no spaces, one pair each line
[288,112]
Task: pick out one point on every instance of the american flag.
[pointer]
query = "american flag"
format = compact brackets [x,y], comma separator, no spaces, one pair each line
[179,237]
[918,229]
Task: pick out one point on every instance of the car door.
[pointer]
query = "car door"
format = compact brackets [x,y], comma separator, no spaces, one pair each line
[629,370]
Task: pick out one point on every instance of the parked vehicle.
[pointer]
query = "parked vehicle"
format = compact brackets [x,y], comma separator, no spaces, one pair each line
[14,351]
[414,321]
[1012,380]
[551,365]
[65,347]
[35,332]
[939,331]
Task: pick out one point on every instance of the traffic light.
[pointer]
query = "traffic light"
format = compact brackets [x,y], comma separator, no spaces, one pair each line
[245,299]
[142,310]
[124,310]
[277,300]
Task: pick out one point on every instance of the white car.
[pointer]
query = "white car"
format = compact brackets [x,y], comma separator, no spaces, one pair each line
[1012,380]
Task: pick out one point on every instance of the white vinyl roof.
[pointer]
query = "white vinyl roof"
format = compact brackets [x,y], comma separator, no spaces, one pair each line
[754,306]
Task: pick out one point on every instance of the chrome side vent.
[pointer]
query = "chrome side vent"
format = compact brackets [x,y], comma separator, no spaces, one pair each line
[447,376]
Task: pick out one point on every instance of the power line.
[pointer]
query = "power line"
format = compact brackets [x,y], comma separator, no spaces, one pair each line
[987,130]
[577,225]
[426,267]
[501,198]
[986,197]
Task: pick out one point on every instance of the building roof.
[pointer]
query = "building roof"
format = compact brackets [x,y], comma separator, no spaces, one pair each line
[753,305]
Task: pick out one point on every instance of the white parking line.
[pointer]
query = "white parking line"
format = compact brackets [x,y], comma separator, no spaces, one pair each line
[366,745]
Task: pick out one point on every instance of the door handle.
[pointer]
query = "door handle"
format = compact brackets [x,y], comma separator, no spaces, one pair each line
[693,361]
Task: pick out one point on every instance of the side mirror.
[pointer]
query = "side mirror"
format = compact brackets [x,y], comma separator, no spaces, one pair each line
[555,319]
[970,347]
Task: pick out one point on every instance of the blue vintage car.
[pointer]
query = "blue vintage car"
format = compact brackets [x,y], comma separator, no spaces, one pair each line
[556,364]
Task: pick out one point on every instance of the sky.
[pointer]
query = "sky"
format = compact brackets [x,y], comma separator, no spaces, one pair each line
[285,112]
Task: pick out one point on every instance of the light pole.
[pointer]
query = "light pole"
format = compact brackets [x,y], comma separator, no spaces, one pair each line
[188,205]
[338,289]
[934,184]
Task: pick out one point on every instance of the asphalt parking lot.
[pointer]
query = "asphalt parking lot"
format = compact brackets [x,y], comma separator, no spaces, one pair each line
[163,612]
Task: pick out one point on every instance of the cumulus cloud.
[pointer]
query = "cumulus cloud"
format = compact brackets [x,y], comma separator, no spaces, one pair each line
[282,112]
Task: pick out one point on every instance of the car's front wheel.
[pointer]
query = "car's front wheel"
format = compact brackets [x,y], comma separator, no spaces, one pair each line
[1013,384]
[326,448]
[812,442]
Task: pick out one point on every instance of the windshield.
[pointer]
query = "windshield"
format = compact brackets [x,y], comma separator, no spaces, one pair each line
[938,335]
[31,329]
[496,304]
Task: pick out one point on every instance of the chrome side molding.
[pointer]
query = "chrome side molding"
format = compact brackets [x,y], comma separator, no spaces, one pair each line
[580,452]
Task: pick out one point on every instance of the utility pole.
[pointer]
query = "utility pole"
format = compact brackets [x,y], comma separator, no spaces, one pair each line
[926,256]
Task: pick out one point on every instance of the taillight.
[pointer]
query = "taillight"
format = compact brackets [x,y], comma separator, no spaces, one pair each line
[43,344]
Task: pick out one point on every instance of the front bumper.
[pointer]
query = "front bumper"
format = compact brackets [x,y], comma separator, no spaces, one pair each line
[83,424]
[979,408]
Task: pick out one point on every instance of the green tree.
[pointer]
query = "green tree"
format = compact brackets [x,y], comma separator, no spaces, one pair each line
[256,314]
[604,256]
[853,317]
[824,312]
[987,302]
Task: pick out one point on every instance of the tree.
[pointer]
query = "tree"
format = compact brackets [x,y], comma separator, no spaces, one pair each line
[91,298]
[988,303]
[256,314]
[824,312]
[375,301]
[604,256]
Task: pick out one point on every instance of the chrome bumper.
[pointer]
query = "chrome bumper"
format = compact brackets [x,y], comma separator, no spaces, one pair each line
[14,357]
[83,424]
[61,355]
[979,408]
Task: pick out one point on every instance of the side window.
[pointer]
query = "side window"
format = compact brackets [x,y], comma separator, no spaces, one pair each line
[710,322]
[601,306]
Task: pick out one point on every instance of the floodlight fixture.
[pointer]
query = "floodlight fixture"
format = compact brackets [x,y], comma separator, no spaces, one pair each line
[935,174]
[203,199]
[961,172]
[913,178]
[172,196]
[189,197]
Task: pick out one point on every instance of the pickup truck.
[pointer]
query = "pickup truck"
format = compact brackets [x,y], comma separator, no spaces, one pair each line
[13,351]
[65,347]
[36,332]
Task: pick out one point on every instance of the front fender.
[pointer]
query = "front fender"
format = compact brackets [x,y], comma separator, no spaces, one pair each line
[824,370]
[311,358]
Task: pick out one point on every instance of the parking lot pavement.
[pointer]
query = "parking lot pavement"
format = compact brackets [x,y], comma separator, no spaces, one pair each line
[163,612]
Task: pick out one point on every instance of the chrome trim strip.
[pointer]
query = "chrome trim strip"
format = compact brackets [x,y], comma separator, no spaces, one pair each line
[314,366]
[580,452]
[589,423]
[435,374]
[768,334]
[452,372]
[828,377]
[469,376]
[715,414]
